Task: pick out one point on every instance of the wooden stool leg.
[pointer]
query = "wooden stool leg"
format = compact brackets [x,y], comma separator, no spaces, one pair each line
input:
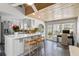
[29,51]
[44,48]
[37,49]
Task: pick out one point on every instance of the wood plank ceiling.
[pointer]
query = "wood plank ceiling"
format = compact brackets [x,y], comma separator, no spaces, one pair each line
[39,6]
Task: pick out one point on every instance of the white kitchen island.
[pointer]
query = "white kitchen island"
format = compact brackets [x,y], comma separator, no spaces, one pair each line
[14,44]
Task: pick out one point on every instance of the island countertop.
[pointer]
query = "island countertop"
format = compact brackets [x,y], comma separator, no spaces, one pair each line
[21,35]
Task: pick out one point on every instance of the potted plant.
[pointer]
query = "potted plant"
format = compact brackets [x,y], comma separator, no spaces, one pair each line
[15,28]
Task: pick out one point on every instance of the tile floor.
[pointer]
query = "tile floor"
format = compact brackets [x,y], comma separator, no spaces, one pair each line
[50,48]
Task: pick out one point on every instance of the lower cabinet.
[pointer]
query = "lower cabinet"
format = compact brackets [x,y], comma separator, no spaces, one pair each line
[19,46]
[14,47]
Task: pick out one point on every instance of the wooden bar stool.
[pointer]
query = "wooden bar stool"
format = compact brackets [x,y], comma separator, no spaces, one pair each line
[41,41]
[38,40]
[30,43]
[27,43]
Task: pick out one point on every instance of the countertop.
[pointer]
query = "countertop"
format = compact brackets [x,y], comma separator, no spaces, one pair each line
[21,35]
[74,51]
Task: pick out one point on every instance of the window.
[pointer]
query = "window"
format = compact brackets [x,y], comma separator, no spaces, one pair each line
[49,32]
[55,29]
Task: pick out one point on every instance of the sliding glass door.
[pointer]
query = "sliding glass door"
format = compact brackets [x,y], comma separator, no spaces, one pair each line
[54,29]
[58,28]
[49,32]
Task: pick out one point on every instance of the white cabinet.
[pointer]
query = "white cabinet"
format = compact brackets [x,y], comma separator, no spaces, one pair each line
[9,47]
[19,46]
[14,47]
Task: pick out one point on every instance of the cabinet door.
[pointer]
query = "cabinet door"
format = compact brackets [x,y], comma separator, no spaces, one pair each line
[9,47]
[19,46]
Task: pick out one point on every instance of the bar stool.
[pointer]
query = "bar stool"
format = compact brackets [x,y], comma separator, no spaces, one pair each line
[38,40]
[30,43]
[42,42]
[42,38]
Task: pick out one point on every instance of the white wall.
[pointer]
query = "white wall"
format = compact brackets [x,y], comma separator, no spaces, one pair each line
[10,13]
[8,9]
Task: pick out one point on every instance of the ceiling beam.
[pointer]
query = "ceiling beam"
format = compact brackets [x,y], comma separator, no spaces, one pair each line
[34,8]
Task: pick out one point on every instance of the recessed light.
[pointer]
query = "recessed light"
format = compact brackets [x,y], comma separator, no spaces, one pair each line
[33,13]
[38,16]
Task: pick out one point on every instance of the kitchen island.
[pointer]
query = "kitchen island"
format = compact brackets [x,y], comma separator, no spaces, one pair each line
[15,44]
